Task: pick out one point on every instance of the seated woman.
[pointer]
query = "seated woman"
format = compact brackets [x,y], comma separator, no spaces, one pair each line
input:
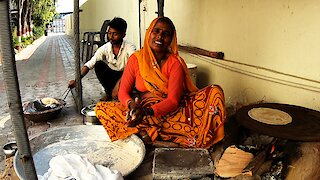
[169,106]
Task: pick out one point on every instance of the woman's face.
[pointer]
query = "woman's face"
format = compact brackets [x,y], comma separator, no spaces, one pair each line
[160,37]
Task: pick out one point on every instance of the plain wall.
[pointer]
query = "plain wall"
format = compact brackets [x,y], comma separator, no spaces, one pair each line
[271,47]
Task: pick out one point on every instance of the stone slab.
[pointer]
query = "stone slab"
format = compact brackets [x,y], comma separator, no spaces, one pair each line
[179,163]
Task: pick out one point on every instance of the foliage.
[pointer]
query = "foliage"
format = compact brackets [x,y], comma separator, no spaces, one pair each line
[38,31]
[57,16]
[43,12]
[15,41]
[25,41]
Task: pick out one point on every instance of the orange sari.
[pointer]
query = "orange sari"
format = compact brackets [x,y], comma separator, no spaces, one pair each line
[198,122]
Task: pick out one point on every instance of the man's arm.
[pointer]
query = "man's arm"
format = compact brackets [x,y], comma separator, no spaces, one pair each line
[84,71]
[98,55]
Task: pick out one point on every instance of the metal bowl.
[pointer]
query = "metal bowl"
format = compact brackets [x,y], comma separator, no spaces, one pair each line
[89,115]
[10,148]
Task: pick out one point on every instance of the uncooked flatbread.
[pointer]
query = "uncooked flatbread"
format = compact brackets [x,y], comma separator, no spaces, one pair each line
[270,116]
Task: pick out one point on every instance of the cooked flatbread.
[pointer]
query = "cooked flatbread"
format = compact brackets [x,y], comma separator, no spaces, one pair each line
[48,101]
[270,116]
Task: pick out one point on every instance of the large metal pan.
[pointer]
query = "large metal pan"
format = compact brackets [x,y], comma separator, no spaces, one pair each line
[91,142]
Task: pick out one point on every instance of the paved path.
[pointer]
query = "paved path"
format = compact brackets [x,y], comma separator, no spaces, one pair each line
[44,70]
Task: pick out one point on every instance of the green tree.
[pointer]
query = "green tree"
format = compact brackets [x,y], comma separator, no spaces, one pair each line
[43,12]
[32,16]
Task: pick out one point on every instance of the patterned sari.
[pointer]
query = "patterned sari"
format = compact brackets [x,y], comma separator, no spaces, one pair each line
[198,121]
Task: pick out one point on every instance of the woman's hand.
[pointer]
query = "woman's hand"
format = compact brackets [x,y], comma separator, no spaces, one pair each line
[135,114]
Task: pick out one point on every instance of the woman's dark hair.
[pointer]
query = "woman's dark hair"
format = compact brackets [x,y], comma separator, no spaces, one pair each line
[168,21]
[118,24]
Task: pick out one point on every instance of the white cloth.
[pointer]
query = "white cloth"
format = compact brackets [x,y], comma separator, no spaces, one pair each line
[74,167]
[116,64]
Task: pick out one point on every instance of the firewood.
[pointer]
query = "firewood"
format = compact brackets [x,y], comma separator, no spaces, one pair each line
[258,160]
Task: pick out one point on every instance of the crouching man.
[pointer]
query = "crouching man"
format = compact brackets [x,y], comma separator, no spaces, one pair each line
[110,59]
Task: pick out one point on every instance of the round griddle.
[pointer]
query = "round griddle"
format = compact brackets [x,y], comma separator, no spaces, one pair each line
[305,125]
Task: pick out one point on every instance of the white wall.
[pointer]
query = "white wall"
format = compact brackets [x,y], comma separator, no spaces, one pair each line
[69,25]
[280,40]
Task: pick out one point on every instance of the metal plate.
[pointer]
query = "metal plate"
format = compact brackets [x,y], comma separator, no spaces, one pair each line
[91,142]
[305,125]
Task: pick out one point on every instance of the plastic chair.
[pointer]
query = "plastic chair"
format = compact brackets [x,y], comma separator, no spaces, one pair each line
[88,41]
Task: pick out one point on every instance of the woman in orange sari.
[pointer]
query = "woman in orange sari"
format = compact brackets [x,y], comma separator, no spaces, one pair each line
[169,107]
